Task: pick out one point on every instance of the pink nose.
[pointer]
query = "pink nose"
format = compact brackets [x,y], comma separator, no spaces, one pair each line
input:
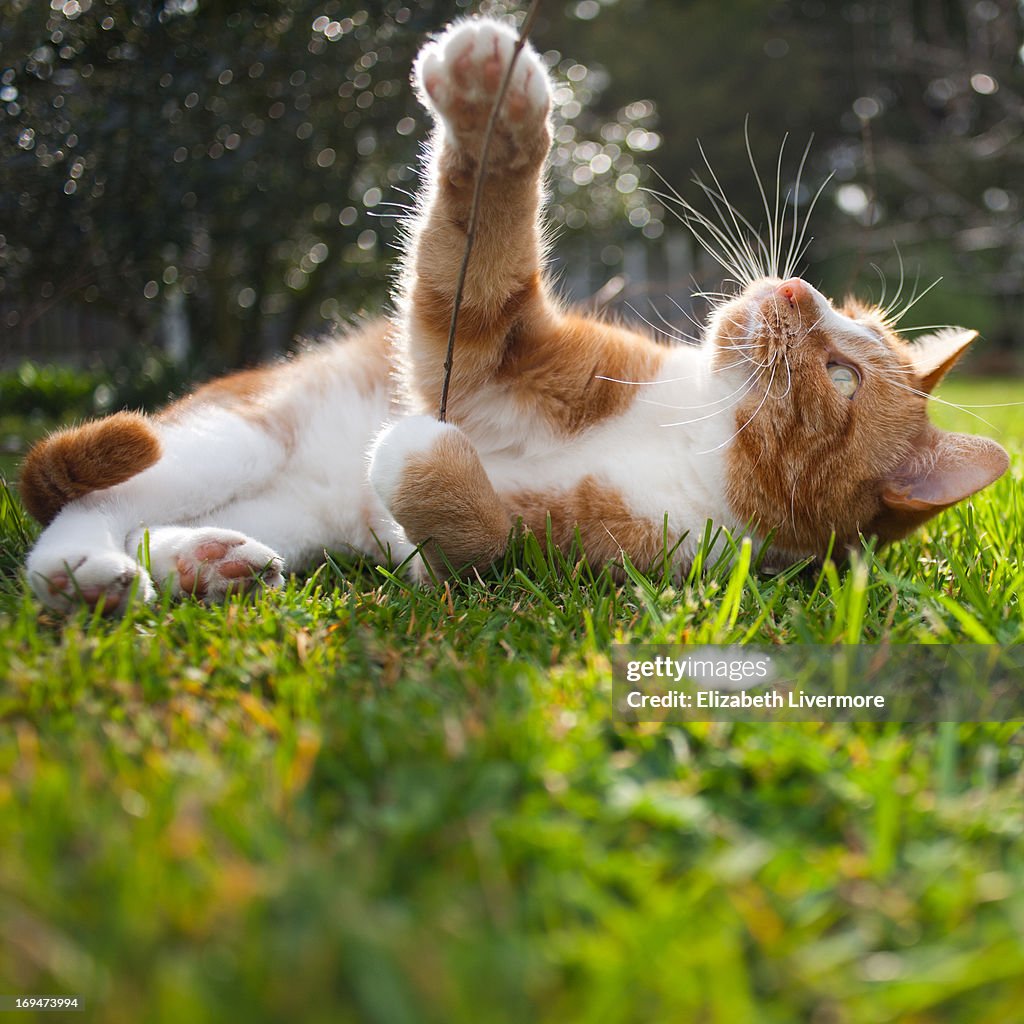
[795,290]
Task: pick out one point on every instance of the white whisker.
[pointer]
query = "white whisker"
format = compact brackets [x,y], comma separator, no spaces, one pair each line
[792,257]
[789,377]
[718,412]
[952,405]
[915,299]
[735,256]
[669,380]
[729,440]
[773,259]
[689,339]
[682,338]
[702,405]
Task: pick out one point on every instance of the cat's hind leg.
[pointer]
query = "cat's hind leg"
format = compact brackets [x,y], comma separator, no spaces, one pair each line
[82,559]
[430,478]
[90,552]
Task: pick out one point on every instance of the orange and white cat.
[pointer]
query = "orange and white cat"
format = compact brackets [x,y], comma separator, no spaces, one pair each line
[792,416]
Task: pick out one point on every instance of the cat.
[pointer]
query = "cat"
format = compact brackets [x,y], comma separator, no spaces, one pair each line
[792,417]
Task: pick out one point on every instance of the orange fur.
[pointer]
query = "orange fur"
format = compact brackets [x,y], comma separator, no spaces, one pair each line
[446,503]
[558,366]
[554,363]
[78,460]
[600,515]
[806,462]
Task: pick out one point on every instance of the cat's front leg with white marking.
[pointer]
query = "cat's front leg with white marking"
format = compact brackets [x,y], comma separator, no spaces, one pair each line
[430,478]
[207,562]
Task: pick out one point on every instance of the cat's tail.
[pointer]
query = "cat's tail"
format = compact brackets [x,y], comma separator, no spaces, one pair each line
[71,463]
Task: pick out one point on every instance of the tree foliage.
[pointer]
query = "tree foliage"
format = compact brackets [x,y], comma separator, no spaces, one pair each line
[915,107]
[228,153]
[248,159]
[237,163]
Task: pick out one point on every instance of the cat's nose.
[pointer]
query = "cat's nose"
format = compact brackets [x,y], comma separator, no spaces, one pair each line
[794,291]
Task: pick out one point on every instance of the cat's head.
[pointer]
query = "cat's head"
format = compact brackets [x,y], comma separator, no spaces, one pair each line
[831,429]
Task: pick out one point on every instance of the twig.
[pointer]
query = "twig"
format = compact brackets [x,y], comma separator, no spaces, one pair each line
[474,210]
[871,171]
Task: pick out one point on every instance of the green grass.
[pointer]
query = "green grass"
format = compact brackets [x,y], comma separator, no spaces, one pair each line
[354,801]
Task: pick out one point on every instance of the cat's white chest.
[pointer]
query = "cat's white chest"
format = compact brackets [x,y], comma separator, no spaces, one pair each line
[665,455]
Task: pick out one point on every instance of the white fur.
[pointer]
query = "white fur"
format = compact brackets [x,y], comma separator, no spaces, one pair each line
[662,470]
[221,470]
[414,435]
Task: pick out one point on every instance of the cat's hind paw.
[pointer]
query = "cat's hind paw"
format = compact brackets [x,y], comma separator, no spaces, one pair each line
[106,580]
[210,563]
[431,479]
[459,75]
[407,442]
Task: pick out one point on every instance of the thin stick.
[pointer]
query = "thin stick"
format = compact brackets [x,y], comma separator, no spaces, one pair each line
[474,210]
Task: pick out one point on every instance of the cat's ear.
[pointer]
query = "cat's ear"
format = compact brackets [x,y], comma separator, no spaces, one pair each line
[933,355]
[943,469]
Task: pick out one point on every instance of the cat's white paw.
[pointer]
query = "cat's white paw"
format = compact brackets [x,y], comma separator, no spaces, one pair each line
[412,436]
[103,579]
[211,563]
[460,73]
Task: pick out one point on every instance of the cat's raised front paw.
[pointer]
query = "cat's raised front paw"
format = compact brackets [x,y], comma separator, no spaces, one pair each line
[459,76]
[105,580]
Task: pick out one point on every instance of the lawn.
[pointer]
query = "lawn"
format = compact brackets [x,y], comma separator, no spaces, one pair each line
[354,801]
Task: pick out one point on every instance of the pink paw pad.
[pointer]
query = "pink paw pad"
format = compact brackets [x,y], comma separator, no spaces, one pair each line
[463,71]
[108,596]
[58,583]
[462,67]
[216,568]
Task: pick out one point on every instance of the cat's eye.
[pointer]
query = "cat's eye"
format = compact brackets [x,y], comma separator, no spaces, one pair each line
[845,379]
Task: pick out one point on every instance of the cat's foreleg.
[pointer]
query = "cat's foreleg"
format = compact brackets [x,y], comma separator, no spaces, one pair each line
[81,559]
[90,552]
[430,477]
[458,76]
[207,562]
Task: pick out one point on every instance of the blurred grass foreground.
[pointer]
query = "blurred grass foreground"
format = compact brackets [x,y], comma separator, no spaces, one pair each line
[352,800]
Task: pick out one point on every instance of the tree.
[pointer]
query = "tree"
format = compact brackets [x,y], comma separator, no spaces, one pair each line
[241,163]
[228,155]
